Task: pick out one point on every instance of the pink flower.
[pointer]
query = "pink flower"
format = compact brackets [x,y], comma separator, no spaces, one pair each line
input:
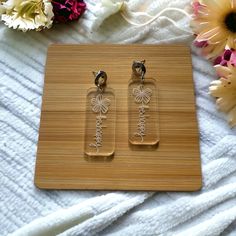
[68,10]
[227,57]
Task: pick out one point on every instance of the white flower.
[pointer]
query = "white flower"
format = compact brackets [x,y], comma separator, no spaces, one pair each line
[224,90]
[100,104]
[142,95]
[28,14]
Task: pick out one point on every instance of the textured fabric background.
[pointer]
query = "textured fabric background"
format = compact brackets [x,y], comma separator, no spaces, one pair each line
[211,211]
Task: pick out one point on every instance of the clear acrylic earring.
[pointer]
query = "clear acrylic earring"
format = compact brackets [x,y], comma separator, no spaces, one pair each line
[142,107]
[100,118]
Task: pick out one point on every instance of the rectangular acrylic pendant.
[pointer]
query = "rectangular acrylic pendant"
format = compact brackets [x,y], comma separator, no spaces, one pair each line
[100,123]
[143,115]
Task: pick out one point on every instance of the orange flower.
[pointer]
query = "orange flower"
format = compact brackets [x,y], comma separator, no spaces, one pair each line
[214,22]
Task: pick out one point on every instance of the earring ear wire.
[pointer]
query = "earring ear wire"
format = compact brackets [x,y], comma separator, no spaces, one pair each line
[100,79]
[139,69]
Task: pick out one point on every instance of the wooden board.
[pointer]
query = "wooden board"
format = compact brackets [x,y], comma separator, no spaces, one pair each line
[61,164]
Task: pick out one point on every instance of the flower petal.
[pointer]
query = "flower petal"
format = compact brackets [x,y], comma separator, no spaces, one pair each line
[93,101]
[105,104]
[147,95]
[222,71]
[232,117]
[226,103]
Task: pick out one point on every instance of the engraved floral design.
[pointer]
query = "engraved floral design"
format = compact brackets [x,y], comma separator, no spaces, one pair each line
[100,104]
[142,95]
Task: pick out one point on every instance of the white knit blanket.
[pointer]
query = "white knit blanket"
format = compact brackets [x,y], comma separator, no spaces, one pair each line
[26,210]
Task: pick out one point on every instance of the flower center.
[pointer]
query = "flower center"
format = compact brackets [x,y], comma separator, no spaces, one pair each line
[230,21]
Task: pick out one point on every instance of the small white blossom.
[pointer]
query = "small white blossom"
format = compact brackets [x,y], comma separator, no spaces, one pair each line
[28,14]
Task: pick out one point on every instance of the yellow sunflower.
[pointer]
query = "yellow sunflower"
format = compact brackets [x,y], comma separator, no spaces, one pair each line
[214,22]
[224,90]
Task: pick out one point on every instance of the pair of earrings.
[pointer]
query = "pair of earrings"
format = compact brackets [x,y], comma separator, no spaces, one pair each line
[101,113]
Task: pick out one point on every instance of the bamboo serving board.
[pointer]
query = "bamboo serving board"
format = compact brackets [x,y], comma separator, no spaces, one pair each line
[172,166]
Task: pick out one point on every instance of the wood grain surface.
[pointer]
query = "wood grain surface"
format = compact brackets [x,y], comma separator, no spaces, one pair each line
[174,165]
